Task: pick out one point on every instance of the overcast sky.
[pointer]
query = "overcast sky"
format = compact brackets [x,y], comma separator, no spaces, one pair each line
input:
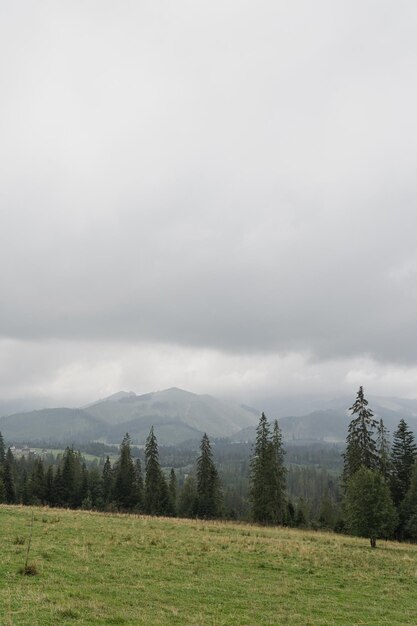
[217,195]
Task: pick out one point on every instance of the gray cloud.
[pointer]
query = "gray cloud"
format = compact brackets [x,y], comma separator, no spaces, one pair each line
[216,177]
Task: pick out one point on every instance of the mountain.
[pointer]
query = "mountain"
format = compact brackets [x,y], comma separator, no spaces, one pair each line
[330,425]
[59,424]
[25,404]
[177,416]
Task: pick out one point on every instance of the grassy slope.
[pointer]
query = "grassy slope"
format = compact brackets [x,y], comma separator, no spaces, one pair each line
[114,569]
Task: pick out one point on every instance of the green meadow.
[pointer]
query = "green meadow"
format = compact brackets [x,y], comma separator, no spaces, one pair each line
[94,568]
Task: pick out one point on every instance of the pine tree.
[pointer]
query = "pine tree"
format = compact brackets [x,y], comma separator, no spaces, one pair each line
[107,482]
[268,475]
[156,489]
[403,457]
[67,477]
[2,452]
[38,482]
[8,478]
[187,504]
[261,489]
[95,488]
[369,509]
[84,497]
[361,448]
[208,484]
[58,490]
[139,486]
[165,506]
[172,490]
[279,475]
[124,490]
[49,485]
[26,494]
[71,478]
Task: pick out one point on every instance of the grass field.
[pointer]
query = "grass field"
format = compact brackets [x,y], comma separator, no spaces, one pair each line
[118,569]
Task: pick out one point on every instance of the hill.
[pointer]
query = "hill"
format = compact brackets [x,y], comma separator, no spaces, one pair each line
[116,569]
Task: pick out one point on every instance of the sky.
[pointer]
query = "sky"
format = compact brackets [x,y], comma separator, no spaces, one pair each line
[219,196]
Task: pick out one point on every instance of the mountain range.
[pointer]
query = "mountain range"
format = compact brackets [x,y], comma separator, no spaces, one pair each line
[179,416]
[330,424]
[176,415]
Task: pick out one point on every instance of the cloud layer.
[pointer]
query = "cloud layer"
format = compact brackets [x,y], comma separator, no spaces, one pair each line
[223,182]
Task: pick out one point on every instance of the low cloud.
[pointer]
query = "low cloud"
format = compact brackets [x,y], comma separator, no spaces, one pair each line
[222,189]
[76,373]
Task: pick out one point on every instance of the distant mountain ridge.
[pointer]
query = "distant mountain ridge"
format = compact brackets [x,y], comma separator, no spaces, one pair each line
[177,416]
[330,425]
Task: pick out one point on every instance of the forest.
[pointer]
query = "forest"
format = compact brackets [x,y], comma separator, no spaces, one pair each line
[367,488]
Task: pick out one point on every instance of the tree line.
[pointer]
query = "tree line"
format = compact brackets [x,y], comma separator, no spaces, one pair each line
[121,486]
[379,480]
[375,497]
[126,486]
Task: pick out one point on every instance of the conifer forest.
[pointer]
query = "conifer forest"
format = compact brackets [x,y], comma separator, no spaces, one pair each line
[368,489]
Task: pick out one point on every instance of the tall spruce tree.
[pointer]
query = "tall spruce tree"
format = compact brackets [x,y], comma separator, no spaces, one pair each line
[139,485]
[403,457]
[58,490]
[107,481]
[280,473]
[260,475]
[361,448]
[38,487]
[208,484]
[2,452]
[95,488]
[8,478]
[49,485]
[124,489]
[156,489]
[172,490]
[187,502]
[84,497]
[267,475]
[71,478]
